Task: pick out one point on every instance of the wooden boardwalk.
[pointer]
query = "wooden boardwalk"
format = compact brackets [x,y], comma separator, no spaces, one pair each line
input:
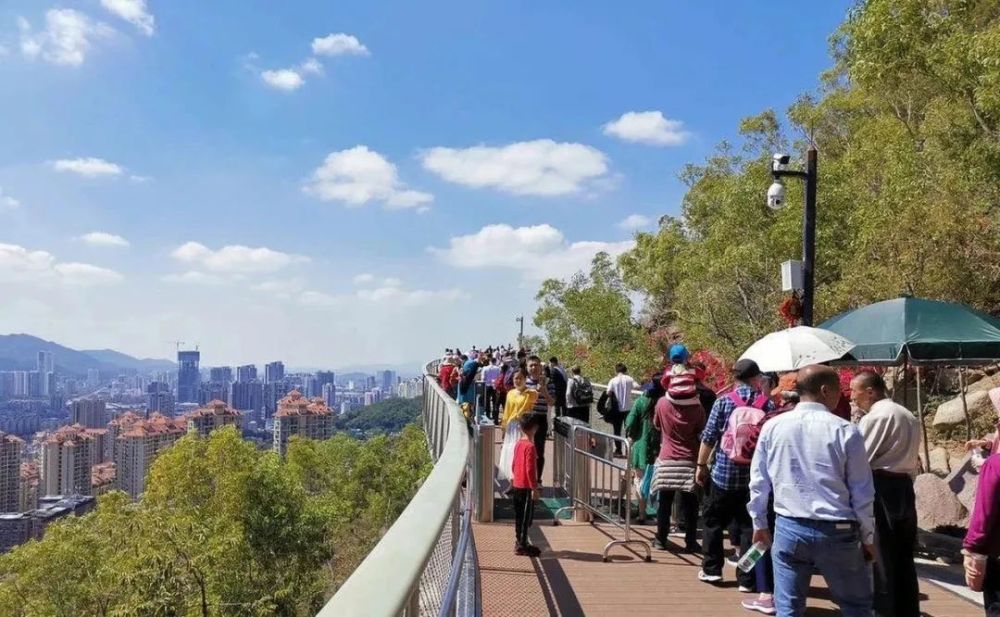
[570,578]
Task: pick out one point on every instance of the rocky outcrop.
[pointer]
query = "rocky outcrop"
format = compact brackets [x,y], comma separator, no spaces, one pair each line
[937,504]
[951,412]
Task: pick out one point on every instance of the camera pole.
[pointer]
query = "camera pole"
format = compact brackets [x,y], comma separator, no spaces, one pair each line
[809,238]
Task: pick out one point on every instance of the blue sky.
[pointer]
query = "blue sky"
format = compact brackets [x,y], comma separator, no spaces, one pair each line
[321,182]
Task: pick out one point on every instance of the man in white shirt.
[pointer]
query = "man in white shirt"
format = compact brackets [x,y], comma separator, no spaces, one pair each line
[621,385]
[816,465]
[892,440]
[490,374]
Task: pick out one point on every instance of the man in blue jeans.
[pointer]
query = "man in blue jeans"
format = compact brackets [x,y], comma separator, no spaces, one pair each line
[817,467]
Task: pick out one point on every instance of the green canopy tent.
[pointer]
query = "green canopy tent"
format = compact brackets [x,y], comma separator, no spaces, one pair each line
[919,331]
[916,331]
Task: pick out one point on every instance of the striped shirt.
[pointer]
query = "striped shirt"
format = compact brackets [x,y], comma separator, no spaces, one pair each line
[541,404]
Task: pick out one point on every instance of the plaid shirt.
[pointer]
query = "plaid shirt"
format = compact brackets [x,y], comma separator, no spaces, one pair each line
[725,473]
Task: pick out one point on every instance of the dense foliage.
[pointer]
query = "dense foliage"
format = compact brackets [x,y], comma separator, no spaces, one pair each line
[907,124]
[222,529]
[386,417]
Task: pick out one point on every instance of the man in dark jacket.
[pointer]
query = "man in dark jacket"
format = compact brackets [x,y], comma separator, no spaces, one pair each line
[557,385]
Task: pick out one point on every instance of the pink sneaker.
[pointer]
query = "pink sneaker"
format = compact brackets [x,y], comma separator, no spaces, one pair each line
[761,606]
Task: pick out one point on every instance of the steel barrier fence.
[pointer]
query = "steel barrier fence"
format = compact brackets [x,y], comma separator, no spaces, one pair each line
[597,482]
[425,564]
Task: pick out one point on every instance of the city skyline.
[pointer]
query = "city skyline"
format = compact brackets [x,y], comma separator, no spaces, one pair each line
[338,178]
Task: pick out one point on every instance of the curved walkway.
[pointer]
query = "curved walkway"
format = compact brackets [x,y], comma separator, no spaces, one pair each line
[569,578]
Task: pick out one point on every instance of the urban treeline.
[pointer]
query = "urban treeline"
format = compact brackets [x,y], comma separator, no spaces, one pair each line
[222,529]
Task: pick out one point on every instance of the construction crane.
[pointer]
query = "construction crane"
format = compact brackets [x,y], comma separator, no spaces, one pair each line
[177,344]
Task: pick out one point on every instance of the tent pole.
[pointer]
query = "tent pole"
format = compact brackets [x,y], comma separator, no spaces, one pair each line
[906,383]
[965,405]
[923,427]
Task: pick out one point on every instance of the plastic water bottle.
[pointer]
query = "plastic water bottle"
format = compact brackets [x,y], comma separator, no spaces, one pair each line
[751,557]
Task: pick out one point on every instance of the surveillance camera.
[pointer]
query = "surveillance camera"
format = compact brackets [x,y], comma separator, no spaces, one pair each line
[776,195]
[780,161]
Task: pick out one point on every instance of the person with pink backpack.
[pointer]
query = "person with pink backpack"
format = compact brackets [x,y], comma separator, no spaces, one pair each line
[731,431]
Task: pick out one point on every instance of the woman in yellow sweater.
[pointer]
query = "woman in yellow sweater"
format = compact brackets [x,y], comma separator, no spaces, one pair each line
[520,400]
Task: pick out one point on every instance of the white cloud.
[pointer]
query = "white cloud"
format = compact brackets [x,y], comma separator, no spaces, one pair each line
[194,277]
[66,39]
[635,221]
[283,79]
[537,252]
[89,167]
[235,259]
[357,176]
[396,296]
[20,265]
[318,299]
[134,12]
[7,202]
[139,179]
[339,45]
[647,127]
[392,282]
[539,167]
[311,65]
[100,238]
[86,274]
[364,279]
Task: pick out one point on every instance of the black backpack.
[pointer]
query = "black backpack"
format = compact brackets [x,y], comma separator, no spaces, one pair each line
[583,393]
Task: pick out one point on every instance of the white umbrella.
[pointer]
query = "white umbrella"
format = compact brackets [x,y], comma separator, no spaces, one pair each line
[791,349]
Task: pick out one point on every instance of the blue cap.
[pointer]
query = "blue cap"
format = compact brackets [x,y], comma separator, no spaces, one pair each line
[678,353]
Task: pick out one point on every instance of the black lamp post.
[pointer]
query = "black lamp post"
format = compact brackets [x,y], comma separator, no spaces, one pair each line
[776,199]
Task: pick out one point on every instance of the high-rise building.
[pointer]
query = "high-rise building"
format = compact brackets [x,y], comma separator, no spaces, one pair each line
[138,444]
[46,362]
[10,472]
[312,386]
[28,492]
[212,391]
[159,398]
[273,392]
[91,413]
[65,459]
[212,416]
[46,367]
[298,415]
[247,372]
[274,371]
[388,384]
[188,376]
[93,378]
[330,395]
[221,374]
[247,396]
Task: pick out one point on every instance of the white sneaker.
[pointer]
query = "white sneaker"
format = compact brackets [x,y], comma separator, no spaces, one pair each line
[709,578]
[745,589]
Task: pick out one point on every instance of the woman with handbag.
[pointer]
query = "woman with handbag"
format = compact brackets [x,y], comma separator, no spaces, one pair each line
[520,400]
[680,418]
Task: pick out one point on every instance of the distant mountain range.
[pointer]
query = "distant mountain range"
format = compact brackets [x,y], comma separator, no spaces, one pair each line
[20,352]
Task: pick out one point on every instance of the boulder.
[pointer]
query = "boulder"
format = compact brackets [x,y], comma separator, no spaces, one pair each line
[939,462]
[963,481]
[951,412]
[936,503]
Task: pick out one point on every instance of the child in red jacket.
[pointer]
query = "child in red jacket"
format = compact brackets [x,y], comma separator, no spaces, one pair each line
[525,485]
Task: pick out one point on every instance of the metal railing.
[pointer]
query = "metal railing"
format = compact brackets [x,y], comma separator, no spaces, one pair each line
[598,482]
[425,564]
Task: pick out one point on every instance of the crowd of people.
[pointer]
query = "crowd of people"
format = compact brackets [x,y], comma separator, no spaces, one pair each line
[774,461]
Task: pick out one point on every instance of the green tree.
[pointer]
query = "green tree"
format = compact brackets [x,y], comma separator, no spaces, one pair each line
[907,124]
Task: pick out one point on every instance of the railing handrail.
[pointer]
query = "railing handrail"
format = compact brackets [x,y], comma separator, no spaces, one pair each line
[384,581]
